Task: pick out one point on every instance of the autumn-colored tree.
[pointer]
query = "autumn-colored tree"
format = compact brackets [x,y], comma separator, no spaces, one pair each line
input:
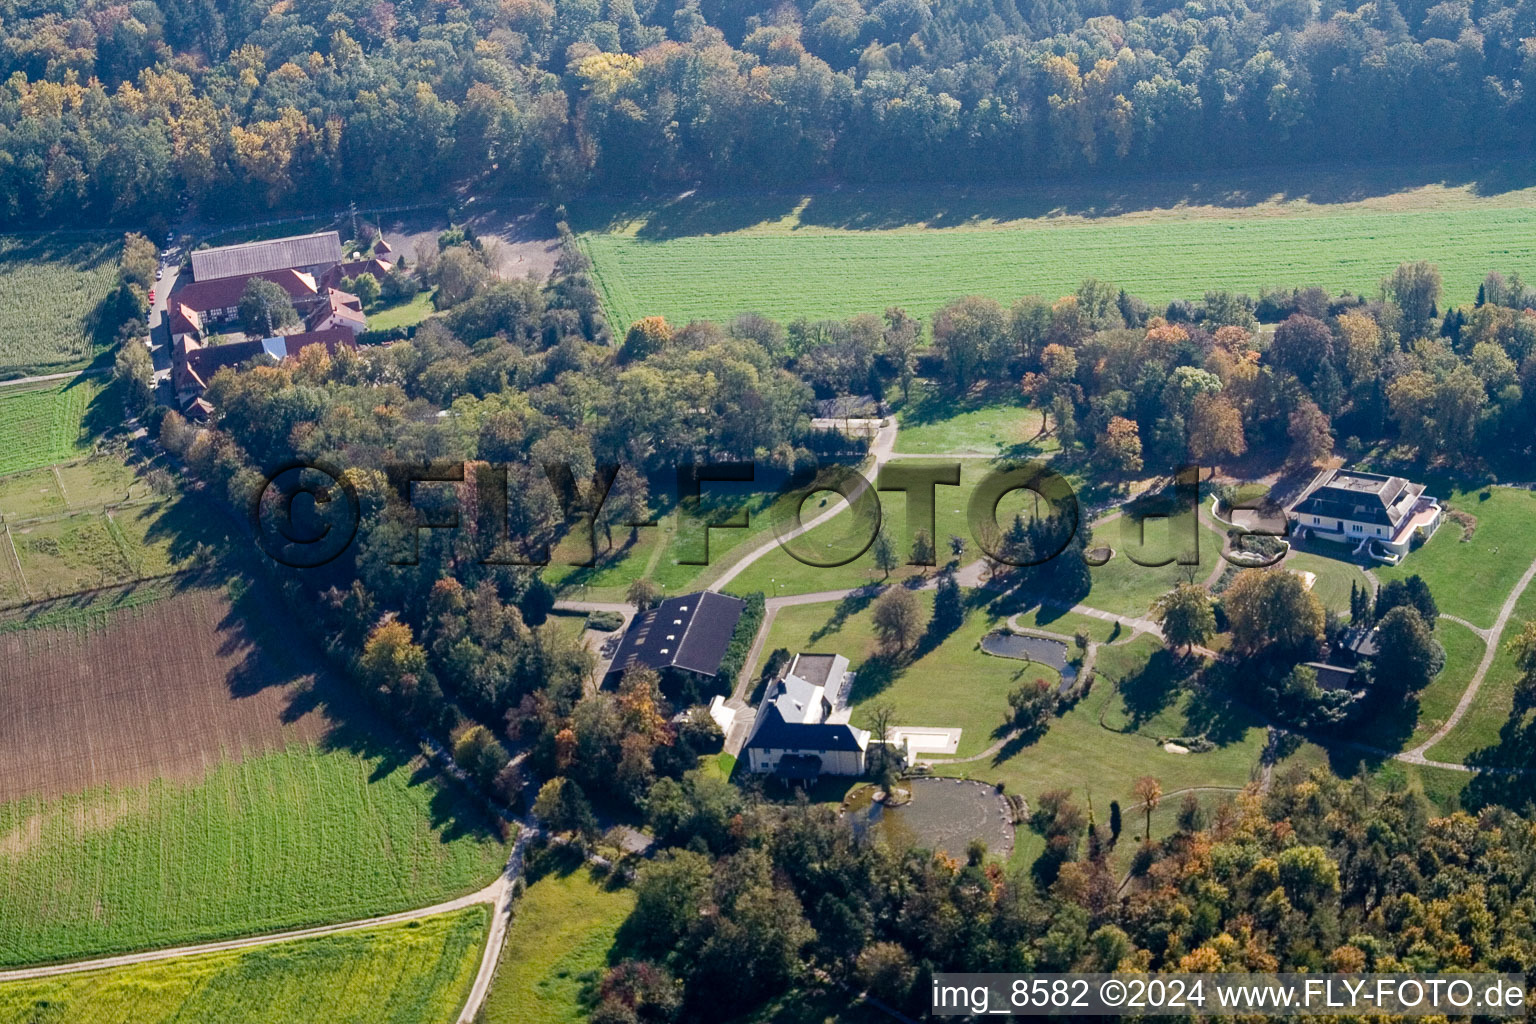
[1118,448]
[1301,344]
[646,337]
[1215,429]
[1272,608]
[1311,434]
[1149,791]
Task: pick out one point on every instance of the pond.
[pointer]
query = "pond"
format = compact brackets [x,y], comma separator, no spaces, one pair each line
[1051,653]
[943,814]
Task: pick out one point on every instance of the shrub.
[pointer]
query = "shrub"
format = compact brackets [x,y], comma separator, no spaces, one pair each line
[605,621]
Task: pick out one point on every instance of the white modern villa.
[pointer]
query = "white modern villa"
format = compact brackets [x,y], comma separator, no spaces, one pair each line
[1378,515]
[802,728]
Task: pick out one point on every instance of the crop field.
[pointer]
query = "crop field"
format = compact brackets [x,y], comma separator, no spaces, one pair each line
[170,773]
[558,944]
[402,974]
[300,836]
[49,423]
[50,287]
[838,255]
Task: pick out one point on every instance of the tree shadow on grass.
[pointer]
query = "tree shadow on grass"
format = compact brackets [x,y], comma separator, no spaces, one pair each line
[1505,770]
[851,604]
[1386,724]
[1154,687]
[874,676]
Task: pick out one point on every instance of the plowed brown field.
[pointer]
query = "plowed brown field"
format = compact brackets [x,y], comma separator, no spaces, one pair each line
[167,689]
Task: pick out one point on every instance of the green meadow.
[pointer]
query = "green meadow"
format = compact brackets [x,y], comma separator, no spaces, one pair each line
[297,837]
[557,948]
[838,255]
[402,974]
[47,423]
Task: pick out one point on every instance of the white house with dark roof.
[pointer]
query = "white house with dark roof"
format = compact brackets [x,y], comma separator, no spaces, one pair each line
[1378,515]
[802,729]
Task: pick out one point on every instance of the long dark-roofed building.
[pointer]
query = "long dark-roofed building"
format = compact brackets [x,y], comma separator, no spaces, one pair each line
[687,634]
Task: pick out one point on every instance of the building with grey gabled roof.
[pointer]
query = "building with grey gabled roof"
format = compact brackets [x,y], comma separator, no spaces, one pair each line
[308,254]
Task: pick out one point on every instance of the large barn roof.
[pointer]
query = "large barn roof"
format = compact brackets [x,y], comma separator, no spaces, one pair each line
[259,257]
[689,632]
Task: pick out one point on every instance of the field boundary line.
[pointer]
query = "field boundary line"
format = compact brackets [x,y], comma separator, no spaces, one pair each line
[492,894]
[10,545]
[50,378]
[134,565]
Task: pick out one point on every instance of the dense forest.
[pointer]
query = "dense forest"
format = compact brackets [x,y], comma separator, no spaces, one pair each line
[114,110]
[1317,875]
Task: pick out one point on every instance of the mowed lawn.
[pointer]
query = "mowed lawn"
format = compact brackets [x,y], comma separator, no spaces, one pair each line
[1103,759]
[416,973]
[790,263]
[50,286]
[934,423]
[47,423]
[295,837]
[557,947]
[1472,579]
[1495,698]
[954,686]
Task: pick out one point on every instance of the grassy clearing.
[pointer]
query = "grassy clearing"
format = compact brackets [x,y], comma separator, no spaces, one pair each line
[403,974]
[107,546]
[935,424]
[50,287]
[1495,699]
[64,556]
[954,685]
[44,424]
[104,480]
[296,837]
[1333,581]
[31,494]
[1125,588]
[558,946]
[834,256]
[665,553]
[402,314]
[1471,579]
[1136,684]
